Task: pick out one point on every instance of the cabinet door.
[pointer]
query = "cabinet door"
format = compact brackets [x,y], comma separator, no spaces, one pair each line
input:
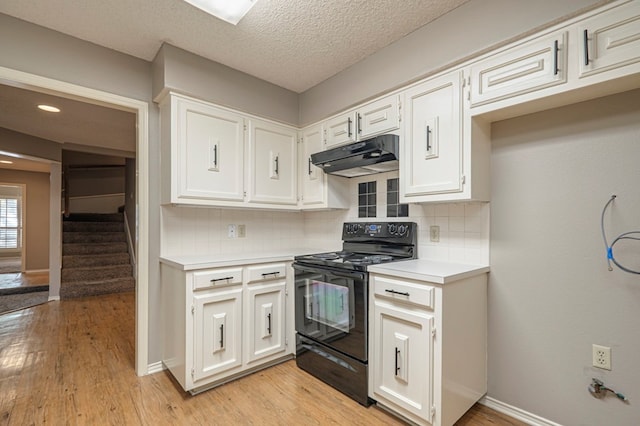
[266,323]
[272,163]
[403,359]
[210,152]
[610,40]
[313,179]
[340,130]
[432,155]
[533,66]
[378,117]
[218,331]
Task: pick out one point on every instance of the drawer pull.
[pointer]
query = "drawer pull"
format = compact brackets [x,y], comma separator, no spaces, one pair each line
[214,280]
[402,293]
[266,274]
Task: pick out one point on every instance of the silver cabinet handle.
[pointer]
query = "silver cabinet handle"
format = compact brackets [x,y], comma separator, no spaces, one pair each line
[349,126]
[359,124]
[266,274]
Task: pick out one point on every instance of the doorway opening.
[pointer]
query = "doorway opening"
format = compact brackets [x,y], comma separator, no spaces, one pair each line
[140,109]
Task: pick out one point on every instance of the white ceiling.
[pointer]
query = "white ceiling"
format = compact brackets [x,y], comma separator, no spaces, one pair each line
[295,44]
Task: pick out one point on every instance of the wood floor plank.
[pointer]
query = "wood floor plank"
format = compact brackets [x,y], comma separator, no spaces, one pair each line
[72,363]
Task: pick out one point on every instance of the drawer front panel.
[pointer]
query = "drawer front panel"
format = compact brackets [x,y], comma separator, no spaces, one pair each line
[216,278]
[272,271]
[403,291]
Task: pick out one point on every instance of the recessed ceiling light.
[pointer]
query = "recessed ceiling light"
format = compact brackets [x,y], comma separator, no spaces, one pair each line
[49,108]
[6,162]
[231,11]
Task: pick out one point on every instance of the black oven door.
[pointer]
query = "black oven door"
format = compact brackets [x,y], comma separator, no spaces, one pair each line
[331,308]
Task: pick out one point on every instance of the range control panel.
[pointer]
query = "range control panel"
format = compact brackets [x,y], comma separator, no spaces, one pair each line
[379,230]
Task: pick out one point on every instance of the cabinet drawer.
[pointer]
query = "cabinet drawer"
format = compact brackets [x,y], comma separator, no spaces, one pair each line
[216,278]
[404,291]
[266,272]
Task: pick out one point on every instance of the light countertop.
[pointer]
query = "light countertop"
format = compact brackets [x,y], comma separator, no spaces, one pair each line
[192,262]
[429,270]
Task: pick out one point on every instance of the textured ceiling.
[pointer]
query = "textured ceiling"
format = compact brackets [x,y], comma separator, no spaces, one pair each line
[295,44]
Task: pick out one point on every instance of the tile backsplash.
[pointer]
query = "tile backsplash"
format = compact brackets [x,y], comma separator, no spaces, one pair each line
[464,228]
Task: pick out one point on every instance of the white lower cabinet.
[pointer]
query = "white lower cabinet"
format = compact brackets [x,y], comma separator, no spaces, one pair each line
[239,323]
[403,352]
[265,326]
[427,347]
[218,327]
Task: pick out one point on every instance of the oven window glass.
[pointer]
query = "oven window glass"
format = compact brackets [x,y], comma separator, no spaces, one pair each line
[367,199]
[394,207]
[328,304]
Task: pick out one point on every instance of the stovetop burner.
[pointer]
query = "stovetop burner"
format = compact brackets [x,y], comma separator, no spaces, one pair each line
[369,244]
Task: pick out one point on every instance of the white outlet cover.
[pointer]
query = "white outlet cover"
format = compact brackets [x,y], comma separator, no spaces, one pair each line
[602,357]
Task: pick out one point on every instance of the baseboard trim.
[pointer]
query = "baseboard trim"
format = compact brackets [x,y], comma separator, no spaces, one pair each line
[156,367]
[54,298]
[516,413]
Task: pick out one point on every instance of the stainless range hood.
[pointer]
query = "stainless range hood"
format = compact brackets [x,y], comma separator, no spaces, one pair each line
[375,155]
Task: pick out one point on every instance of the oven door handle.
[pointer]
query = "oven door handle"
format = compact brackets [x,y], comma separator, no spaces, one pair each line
[331,272]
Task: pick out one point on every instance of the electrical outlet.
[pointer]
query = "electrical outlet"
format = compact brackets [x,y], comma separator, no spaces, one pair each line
[232,231]
[602,357]
[434,233]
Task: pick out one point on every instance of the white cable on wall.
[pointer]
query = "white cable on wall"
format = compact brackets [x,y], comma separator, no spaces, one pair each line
[632,235]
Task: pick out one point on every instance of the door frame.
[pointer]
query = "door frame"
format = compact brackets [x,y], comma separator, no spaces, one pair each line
[141,109]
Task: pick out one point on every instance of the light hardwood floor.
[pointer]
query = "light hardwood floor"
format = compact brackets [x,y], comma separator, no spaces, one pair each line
[72,363]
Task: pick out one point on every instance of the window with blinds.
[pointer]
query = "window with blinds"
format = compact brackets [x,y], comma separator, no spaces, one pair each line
[10,226]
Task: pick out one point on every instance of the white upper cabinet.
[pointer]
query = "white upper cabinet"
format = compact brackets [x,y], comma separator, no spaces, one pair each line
[206,152]
[272,166]
[312,178]
[610,41]
[431,161]
[375,118]
[522,69]
[319,190]
[213,156]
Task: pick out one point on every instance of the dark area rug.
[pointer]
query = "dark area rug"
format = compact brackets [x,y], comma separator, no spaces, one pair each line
[13,302]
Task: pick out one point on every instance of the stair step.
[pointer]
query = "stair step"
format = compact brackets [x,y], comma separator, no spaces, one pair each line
[93,237]
[93,273]
[93,226]
[96,288]
[79,261]
[94,248]
[95,217]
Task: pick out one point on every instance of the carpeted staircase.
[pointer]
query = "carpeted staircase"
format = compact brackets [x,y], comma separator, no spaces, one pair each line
[95,258]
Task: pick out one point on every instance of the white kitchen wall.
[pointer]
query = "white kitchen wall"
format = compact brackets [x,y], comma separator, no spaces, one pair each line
[464,227]
[192,230]
[551,295]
